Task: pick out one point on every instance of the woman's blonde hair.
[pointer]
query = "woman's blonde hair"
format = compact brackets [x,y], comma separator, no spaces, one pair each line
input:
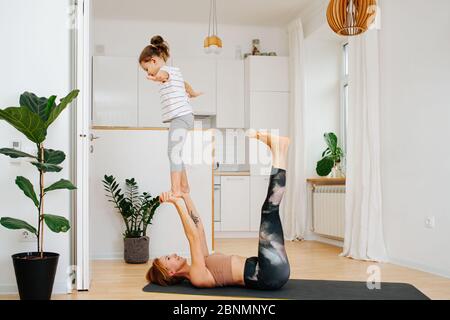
[158,274]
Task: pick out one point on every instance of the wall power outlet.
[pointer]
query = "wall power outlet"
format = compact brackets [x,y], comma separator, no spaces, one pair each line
[430,222]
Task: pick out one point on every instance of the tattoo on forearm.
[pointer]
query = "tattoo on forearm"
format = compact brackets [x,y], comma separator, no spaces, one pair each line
[194,217]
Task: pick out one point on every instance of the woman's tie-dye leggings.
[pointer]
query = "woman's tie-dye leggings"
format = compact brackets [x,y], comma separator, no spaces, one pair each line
[270,270]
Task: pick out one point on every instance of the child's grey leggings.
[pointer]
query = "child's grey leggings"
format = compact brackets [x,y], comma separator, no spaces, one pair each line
[270,270]
[177,137]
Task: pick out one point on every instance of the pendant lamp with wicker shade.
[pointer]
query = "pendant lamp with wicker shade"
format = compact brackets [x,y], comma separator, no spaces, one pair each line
[351,17]
[212,42]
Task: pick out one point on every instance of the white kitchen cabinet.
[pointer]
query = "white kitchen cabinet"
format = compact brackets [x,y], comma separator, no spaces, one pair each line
[115,91]
[230,94]
[201,74]
[235,203]
[266,73]
[269,110]
[258,193]
[149,103]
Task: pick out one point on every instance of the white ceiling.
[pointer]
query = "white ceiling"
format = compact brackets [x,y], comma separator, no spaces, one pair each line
[247,12]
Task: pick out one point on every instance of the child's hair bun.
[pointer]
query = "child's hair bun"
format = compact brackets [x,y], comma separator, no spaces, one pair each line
[157,40]
[158,47]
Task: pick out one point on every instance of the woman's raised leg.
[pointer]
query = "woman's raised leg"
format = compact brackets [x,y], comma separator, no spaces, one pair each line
[271,270]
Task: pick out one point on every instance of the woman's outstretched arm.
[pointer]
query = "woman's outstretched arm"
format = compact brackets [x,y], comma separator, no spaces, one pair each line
[200,275]
[195,216]
[190,229]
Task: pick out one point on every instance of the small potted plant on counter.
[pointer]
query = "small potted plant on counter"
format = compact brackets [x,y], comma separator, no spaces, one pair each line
[35,271]
[330,163]
[137,212]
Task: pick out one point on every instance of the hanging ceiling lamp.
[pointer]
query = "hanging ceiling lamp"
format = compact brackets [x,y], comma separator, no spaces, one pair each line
[213,44]
[351,17]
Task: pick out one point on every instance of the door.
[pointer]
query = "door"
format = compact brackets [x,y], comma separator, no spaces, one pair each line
[82,127]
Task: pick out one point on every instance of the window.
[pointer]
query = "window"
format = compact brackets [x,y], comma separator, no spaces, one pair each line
[344,98]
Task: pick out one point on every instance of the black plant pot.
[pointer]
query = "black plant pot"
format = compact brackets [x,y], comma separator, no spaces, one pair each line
[136,250]
[35,276]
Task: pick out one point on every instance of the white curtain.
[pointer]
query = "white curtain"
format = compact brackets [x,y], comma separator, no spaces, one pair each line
[294,209]
[364,238]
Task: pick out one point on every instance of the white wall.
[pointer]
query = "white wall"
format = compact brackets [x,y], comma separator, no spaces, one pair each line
[323,76]
[129,37]
[415,120]
[35,56]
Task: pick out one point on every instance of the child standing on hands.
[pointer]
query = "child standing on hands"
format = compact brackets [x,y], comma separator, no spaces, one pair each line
[176,109]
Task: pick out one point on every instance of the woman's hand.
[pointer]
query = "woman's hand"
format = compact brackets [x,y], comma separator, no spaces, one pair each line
[169,197]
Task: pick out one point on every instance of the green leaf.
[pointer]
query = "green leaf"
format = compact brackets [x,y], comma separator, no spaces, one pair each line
[54,156]
[56,223]
[27,122]
[331,140]
[61,184]
[37,105]
[324,166]
[15,224]
[13,153]
[56,111]
[27,189]
[46,167]
[50,105]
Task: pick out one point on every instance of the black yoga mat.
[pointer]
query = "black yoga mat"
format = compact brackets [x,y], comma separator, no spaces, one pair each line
[305,290]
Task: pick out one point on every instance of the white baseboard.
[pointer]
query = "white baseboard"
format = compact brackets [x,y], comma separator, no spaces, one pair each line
[236,234]
[318,238]
[8,288]
[392,260]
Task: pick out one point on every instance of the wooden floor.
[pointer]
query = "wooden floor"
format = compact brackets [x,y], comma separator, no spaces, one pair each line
[309,260]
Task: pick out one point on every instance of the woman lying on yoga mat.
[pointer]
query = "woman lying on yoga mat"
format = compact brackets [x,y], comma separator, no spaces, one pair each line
[269,271]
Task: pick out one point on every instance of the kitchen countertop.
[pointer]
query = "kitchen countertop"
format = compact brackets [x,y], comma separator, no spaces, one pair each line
[231,173]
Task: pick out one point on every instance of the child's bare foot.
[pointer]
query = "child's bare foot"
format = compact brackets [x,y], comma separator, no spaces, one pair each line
[278,145]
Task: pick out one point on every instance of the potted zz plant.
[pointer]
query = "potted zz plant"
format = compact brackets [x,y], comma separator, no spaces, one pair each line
[331,158]
[35,271]
[137,212]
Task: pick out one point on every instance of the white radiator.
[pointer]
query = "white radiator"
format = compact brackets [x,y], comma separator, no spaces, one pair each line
[328,208]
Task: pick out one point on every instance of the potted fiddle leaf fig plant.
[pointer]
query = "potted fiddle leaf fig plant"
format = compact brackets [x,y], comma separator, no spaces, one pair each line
[35,271]
[137,211]
[331,158]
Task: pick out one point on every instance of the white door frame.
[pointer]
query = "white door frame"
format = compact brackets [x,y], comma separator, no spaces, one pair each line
[83,123]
